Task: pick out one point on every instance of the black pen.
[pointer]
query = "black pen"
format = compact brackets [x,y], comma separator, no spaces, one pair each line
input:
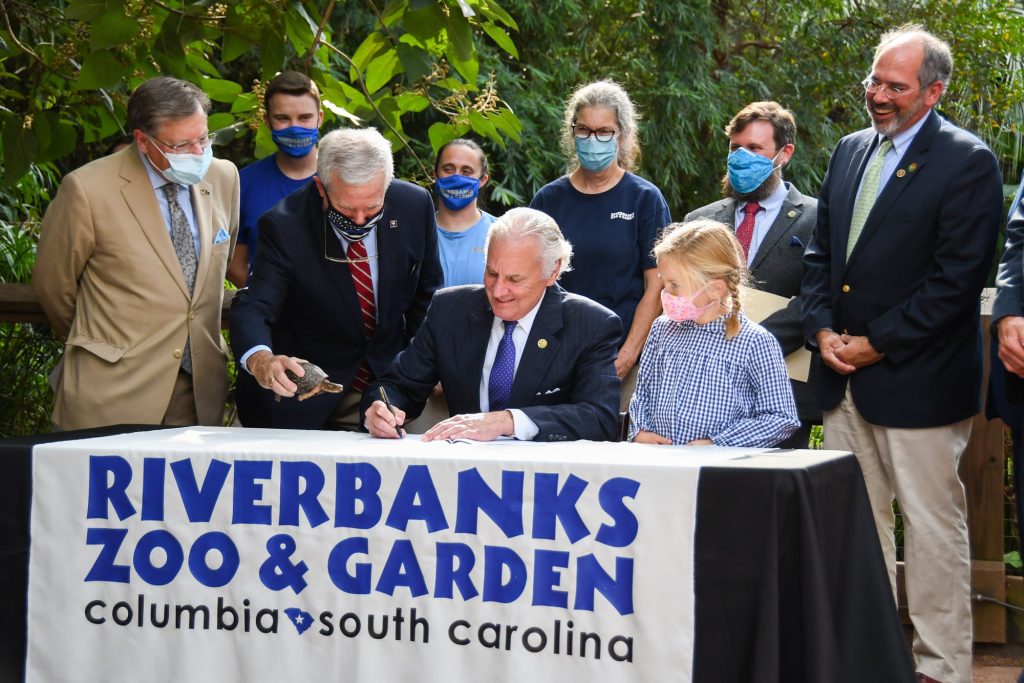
[384,397]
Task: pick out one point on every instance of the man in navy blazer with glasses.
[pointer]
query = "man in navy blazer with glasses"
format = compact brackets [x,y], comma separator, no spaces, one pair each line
[908,215]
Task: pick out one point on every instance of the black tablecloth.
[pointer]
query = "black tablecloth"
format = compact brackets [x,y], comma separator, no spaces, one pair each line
[790,584]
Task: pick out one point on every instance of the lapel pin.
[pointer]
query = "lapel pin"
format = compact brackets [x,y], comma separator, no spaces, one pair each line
[542,343]
[204,192]
[393,224]
[792,213]
[900,173]
[912,168]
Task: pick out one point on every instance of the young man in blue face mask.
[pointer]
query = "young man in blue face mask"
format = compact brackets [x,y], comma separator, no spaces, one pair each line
[293,115]
[773,223]
[460,172]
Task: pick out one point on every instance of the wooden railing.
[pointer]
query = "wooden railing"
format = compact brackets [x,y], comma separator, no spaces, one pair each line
[18,304]
[982,469]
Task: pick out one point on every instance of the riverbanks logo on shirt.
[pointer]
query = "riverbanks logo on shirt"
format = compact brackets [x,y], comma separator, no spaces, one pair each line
[623,215]
[202,552]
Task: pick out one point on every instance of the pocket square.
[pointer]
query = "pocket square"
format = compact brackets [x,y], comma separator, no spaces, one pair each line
[549,391]
[794,241]
[221,236]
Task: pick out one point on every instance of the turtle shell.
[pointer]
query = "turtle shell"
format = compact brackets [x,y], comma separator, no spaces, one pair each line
[313,382]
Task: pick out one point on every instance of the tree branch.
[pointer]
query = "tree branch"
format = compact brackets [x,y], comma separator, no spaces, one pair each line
[380,114]
[319,32]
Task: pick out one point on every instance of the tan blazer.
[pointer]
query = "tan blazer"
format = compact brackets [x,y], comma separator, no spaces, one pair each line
[110,283]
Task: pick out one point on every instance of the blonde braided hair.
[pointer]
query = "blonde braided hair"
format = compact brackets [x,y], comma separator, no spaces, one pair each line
[708,250]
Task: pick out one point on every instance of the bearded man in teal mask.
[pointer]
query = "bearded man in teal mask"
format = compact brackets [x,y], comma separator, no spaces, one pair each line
[293,114]
[773,223]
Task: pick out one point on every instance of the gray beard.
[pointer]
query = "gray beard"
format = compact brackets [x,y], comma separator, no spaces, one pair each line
[763,191]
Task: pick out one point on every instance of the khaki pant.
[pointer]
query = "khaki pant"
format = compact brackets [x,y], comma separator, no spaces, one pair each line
[918,467]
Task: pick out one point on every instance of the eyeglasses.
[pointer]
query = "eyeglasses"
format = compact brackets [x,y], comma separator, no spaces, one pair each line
[582,133]
[892,92]
[204,142]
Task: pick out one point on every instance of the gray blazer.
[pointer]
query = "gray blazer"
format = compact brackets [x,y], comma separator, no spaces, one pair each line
[778,268]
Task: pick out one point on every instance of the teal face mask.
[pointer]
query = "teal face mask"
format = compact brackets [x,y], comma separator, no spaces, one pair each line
[595,155]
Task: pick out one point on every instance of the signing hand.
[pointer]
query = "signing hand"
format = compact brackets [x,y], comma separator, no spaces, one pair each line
[1011,343]
[269,372]
[382,423]
[474,426]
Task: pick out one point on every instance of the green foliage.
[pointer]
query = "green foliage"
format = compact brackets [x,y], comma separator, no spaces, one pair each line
[689,66]
[68,66]
[27,352]
[1012,559]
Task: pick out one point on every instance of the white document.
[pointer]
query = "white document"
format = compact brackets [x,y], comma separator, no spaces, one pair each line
[759,305]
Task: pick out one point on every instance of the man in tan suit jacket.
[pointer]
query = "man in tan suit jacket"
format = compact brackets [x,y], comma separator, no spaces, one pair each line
[136,300]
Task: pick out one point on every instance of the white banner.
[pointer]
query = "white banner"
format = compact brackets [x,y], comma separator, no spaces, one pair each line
[207,554]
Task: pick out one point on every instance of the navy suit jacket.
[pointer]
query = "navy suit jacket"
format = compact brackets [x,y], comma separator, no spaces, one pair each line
[565,381]
[1006,390]
[913,280]
[778,268]
[301,304]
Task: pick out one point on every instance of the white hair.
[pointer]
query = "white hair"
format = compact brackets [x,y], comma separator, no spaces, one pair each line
[355,156]
[524,223]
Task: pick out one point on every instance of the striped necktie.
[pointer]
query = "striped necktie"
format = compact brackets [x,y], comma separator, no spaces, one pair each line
[359,266]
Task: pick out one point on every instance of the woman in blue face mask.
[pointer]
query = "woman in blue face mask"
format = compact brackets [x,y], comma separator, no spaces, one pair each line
[611,216]
[460,172]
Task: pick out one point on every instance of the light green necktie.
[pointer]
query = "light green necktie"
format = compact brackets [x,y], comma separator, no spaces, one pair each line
[868,193]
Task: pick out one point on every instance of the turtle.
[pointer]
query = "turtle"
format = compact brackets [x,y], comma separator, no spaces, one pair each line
[313,382]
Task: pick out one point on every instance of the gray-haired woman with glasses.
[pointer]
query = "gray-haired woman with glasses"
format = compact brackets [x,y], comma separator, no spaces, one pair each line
[611,216]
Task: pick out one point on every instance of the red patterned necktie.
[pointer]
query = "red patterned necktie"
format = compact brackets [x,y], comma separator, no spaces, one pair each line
[359,266]
[745,232]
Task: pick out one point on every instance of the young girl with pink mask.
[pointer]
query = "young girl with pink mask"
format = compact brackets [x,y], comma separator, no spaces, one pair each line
[708,374]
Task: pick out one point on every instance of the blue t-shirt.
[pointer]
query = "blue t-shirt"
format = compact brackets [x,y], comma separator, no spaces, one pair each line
[262,185]
[462,253]
[612,235]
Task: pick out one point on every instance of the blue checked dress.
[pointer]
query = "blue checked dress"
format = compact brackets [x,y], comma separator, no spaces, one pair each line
[696,384]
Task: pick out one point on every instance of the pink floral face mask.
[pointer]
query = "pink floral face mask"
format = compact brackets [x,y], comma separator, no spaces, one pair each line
[680,308]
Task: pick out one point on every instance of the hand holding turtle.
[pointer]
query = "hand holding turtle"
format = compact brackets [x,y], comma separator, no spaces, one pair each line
[381,422]
[269,372]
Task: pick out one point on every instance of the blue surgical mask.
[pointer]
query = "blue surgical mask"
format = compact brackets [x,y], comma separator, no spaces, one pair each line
[186,169]
[347,228]
[595,155]
[457,191]
[748,171]
[295,141]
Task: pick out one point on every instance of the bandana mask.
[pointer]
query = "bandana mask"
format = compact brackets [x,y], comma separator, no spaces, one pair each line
[347,228]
